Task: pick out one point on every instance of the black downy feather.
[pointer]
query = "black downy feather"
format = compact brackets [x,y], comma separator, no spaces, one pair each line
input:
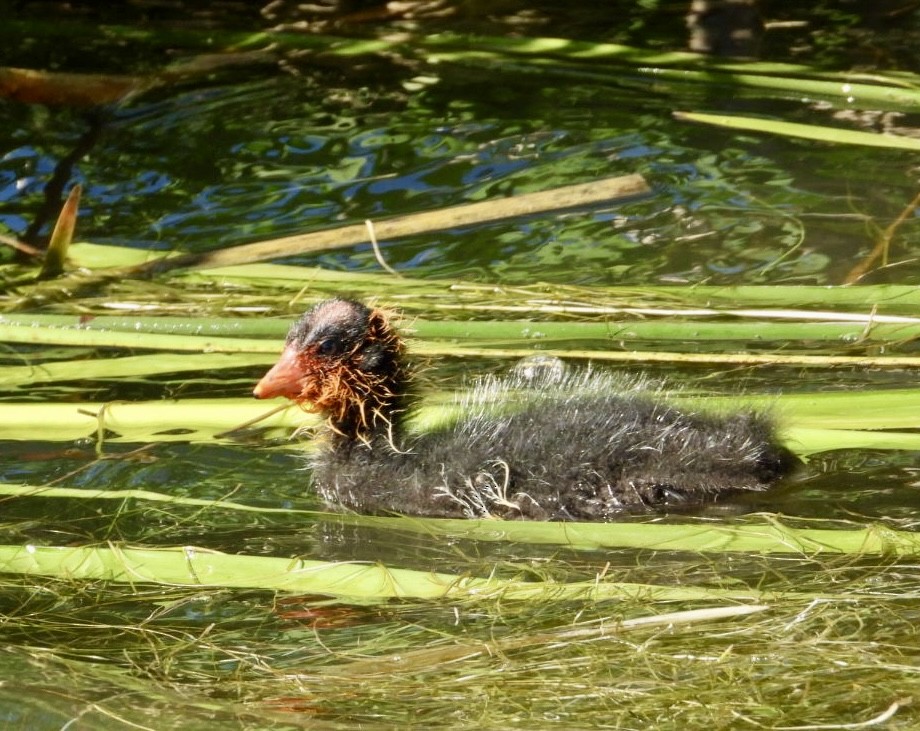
[549,446]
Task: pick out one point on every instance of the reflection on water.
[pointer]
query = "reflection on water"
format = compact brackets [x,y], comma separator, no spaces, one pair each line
[205,168]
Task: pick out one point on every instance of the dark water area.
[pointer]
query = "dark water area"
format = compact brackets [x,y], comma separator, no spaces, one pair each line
[274,151]
[291,140]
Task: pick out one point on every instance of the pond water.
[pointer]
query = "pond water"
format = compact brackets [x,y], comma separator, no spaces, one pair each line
[288,141]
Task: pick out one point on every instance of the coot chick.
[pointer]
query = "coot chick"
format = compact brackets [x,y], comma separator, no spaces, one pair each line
[546,447]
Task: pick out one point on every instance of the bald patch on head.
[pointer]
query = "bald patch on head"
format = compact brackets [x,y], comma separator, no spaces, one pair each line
[332,311]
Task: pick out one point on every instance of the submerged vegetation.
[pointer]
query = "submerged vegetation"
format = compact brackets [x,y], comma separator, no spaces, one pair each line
[163,562]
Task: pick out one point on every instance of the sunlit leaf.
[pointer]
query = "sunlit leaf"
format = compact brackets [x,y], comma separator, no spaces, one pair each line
[831,135]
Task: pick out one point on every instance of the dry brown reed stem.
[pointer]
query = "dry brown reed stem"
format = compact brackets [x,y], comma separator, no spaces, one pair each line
[882,245]
[469,214]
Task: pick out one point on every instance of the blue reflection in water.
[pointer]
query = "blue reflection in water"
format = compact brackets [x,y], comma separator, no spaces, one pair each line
[201,169]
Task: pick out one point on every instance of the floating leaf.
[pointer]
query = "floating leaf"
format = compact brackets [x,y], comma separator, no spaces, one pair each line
[66,89]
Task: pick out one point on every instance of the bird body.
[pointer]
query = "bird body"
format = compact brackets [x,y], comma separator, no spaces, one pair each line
[543,446]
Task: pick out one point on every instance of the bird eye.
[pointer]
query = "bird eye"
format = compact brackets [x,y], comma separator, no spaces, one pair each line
[329,346]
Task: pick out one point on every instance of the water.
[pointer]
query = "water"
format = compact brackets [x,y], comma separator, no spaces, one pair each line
[272,149]
[278,154]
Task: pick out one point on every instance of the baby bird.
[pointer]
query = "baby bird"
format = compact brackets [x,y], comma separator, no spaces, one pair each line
[585,447]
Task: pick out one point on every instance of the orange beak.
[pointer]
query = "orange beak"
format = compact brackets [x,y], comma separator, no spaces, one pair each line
[286,377]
